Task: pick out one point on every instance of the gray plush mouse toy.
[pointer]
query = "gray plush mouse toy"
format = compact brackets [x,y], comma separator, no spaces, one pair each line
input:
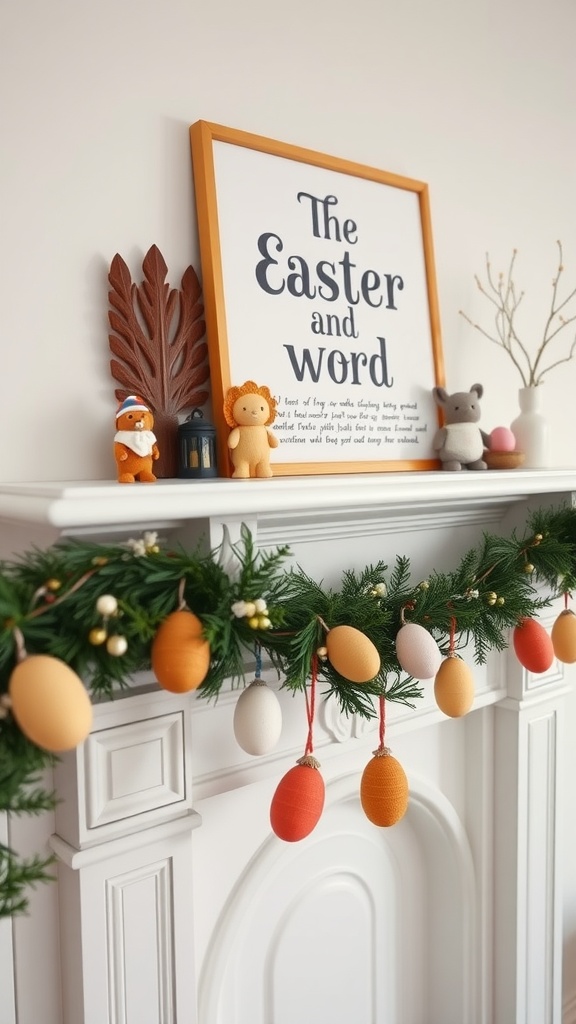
[460,442]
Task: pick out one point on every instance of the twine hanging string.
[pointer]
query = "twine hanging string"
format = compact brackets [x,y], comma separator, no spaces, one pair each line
[382,727]
[452,635]
[566,600]
[48,607]
[311,706]
[21,652]
[308,758]
[382,750]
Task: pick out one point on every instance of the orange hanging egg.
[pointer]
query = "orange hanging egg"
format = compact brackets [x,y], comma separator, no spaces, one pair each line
[352,654]
[564,637]
[384,789]
[180,653]
[298,801]
[454,687]
[50,703]
[533,646]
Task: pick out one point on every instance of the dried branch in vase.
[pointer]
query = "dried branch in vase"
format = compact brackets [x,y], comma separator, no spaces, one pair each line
[505,300]
[159,347]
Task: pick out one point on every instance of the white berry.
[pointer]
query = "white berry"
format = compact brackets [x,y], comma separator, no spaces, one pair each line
[107,605]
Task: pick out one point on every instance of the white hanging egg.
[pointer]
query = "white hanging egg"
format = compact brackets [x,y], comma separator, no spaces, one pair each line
[257,719]
[417,651]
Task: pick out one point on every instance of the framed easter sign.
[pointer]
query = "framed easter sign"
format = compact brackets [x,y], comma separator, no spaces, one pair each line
[319,283]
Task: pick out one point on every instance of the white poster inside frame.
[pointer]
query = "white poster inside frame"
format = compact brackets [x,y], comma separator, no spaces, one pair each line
[319,283]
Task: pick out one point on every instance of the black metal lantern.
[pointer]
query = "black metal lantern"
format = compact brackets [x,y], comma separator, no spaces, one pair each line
[197,447]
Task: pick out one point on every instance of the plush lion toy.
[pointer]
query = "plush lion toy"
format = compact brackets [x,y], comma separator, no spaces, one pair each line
[135,447]
[249,410]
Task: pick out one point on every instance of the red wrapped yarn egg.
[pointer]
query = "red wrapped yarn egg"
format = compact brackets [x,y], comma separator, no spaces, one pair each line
[533,646]
[298,801]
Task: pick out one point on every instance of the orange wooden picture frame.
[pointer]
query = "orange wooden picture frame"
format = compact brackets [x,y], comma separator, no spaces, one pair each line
[319,282]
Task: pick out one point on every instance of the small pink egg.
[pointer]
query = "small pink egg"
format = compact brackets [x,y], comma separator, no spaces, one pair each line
[502,440]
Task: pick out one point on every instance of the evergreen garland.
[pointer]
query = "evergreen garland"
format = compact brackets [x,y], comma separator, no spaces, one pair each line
[48,599]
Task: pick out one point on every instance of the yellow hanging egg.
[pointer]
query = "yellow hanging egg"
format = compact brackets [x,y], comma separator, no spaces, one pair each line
[50,703]
[352,654]
[180,653]
[384,790]
[564,637]
[454,687]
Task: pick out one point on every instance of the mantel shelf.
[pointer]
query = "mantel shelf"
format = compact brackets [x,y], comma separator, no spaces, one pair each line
[106,503]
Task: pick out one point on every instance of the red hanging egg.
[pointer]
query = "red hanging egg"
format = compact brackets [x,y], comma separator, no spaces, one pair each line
[564,637]
[384,789]
[533,646]
[298,801]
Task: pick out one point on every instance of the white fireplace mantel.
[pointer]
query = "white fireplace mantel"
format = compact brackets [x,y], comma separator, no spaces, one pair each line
[93,504]
[137,873]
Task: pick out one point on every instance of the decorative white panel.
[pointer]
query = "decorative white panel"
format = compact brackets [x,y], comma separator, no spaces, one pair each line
[140,950]
[540,869]
[134,768]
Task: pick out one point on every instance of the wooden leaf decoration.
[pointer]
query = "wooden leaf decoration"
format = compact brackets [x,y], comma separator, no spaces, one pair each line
[159,345]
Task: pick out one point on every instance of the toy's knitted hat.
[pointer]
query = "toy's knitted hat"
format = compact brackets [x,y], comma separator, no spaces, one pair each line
[133,403]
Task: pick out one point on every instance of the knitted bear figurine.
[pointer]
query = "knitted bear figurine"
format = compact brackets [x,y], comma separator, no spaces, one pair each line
[135,447]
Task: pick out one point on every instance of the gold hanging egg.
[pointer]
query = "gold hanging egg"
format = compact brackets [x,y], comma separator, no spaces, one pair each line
[564,637]
[180,653]
[454,687]
[50,703]
[352,654]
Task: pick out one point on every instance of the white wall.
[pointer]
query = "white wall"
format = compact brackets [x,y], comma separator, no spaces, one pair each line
[475,99]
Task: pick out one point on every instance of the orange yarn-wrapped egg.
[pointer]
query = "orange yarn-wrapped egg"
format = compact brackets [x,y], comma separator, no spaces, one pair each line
[50,703]
[384,789]
[298,801]
[180,654]
[533,646]
[564,637]
[352,654]
[454,687]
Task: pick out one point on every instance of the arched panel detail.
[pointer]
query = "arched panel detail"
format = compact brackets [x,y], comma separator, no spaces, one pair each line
[355,923]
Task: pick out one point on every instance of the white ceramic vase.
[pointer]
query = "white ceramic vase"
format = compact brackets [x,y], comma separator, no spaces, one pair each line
[531,429]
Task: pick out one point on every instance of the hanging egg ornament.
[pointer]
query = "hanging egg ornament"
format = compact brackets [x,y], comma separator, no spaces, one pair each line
[352,654]
[417,652]
[50,703]
[563,637]
[533,646]
[454,687]
[298,801]
[180,653]
[257,719]
[384,789]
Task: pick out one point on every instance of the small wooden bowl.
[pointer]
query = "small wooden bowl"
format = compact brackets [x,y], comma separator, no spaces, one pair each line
[503,460]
